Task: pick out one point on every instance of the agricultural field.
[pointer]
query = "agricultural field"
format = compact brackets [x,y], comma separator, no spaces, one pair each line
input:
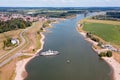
[105,30]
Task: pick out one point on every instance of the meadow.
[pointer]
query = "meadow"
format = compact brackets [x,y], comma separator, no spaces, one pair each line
[107,31]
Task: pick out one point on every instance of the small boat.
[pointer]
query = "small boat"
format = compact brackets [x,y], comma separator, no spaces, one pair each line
[68,61]
[49,53]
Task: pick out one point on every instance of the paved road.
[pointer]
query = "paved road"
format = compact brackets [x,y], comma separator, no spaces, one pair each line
[10,52]
[23,41]
[10,58]
[19,53]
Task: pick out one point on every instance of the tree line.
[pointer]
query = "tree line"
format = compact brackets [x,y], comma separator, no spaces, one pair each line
[14,24]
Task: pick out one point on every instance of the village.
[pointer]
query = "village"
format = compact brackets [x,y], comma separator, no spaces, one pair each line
[26,17]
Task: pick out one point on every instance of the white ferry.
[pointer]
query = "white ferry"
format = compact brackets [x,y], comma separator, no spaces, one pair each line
[49,53]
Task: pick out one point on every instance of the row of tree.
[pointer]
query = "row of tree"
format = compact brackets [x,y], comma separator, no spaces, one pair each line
[106,54]
[13,24]
[114,15]
[92,37]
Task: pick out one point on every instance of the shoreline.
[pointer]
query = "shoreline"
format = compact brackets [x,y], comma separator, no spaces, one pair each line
[110,61]
[20,70]
[20,65]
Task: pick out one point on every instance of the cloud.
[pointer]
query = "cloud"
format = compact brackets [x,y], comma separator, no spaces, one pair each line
[107,0]
[62,3]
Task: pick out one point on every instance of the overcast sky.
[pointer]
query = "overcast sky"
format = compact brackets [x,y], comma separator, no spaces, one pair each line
[59,3]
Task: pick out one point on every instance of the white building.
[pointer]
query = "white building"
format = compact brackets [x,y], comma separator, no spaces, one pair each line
[15,41]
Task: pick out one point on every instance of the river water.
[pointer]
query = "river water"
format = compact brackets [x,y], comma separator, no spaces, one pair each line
[84,62]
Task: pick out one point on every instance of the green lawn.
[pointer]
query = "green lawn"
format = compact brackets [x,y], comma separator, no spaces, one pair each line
[108,32]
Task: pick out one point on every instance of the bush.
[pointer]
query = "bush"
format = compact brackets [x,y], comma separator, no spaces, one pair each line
[7,43]
[41,29]
[89,35]
[45,24]
[102,54]
[105,54]
[99,44]
[109,54]
[38,32]
[95,39]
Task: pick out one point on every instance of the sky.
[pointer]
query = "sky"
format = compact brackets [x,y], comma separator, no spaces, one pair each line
[59,3]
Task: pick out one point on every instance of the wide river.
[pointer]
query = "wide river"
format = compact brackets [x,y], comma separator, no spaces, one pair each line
[84,62]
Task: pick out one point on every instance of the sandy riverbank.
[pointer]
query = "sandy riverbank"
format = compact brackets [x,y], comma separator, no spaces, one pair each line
[111,61]
[20,65]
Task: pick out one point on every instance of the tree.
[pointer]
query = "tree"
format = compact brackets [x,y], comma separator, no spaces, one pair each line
[13,24]
[89,34]
[41,29]
[109,54]
[102,54]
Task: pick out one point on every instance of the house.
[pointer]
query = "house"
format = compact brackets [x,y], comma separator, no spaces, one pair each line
[14,41]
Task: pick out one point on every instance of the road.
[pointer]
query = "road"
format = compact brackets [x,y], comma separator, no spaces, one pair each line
[23,44]
[23,41]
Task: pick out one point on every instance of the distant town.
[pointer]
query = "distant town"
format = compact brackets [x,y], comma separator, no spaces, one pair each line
[6,17]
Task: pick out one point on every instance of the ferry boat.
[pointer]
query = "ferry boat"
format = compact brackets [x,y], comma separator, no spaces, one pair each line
[49,53]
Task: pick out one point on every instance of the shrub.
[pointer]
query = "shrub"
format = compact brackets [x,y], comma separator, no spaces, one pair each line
[102,54]
[105,54]
[41,29]
[99,44]
[109,54]
[95,39]
[89,35]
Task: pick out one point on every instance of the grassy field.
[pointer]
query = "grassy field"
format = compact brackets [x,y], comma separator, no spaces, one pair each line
[34,38]
[5,35]
[107,30]
[33,42]
[102,21]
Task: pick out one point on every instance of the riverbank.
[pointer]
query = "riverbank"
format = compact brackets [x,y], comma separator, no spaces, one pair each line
[111,61]
[20,65]
[20,71]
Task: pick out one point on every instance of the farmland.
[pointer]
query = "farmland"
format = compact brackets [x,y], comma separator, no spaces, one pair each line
[105,30]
